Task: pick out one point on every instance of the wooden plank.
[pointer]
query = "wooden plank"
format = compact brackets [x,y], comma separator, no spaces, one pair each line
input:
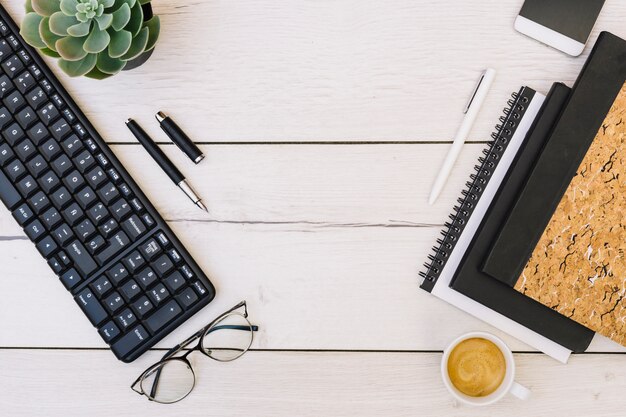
[78,383]
[342,70]
[329,185]
[308,288]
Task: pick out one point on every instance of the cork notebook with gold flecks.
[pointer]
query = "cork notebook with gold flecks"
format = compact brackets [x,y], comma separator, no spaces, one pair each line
[578,267]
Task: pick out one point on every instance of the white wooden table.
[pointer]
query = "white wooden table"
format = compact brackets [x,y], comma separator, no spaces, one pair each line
[324,124]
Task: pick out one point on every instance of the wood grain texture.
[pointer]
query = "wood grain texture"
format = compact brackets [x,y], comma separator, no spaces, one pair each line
[345,70]
[78,383]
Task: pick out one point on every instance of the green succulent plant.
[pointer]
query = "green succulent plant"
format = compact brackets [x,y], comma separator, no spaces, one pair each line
[94,38]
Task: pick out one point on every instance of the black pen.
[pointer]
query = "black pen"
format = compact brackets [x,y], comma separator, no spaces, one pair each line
[163,161]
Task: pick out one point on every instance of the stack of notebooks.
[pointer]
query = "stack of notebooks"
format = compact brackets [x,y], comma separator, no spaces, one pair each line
[537,244]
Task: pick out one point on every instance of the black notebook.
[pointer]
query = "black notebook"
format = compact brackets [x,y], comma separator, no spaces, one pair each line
[458,233]
[470,279]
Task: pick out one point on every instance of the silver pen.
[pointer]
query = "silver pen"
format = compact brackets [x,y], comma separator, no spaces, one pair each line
[164,162]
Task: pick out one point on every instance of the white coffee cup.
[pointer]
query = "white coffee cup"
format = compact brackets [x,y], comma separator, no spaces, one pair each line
[508,384]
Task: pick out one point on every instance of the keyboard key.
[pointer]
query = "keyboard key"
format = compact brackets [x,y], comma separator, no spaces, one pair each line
[126,319]
[102,286]
[15,170]
[198,287]
[13,134]
[73,214]
[50,149]
[24,56]
[6,154]
[96,244]
[12,39]
[148,221]
[174,256]
[71,279]
[130,290]
[60,129]
[114,175]
[163,265]
[116,244]
[26,117]
[5,50]
[38,133]
[125,190]
[58,101]
[136,205]
[35,230]
[51,218]
[114,302]
[117,274]
[109,332]
[8,194]
[96,177]
[4,29]
[39,202]
[84,161]
[187,272]
[129,342]
[133,227]
[134,262]
[146,278]
[163,316]
[63,234]
[108,193]
[47,87]
[108,228]
[187,298]
[23,214]
[82,260]
[150,249]
[142,307]
[74,181]
[72,145]
[36,97]
[62,165]
[37,166]
[14,102]
[48,114]
[86,197]
[61,198]
[24,82]
[36,71]
[85,230]
[174,281]
[25,150]
[47,246]
[162,239]
[91,307]
[98,213]
[5,116]
[55,265]
[67,113]
[158,294]
[12,66]
[27,186]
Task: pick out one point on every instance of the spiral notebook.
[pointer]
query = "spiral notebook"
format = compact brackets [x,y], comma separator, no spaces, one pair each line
[518,118]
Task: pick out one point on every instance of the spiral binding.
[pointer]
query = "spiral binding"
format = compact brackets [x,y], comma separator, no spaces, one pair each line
[474,188]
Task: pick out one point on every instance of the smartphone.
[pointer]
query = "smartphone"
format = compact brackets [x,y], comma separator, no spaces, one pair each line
[562,24]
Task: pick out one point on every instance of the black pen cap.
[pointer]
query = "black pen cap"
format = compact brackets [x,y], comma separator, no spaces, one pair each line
[180,138]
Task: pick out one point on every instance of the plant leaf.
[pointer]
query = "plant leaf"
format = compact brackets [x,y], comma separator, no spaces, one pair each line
[69,7]
[29,6]
[46,7]
[79,30]
[109,65]
[59,23]
[104,21]
[154,25]
[30,30]
[50,52]
[121,17]
[71,49]
[120,43]
[96,74]
[97,41]
[107,3]
[78,68]
[138,45]
[47,36]
[136,20]
[144,1]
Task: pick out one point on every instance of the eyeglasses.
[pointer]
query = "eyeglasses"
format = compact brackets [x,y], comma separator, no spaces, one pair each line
[224,339]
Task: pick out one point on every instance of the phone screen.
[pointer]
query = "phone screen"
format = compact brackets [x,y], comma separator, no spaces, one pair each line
[572,18]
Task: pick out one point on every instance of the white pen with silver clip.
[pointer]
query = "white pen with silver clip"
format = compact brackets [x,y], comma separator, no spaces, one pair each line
[471,112]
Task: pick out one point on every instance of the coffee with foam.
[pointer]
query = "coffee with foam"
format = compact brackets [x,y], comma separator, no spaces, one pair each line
[476,367]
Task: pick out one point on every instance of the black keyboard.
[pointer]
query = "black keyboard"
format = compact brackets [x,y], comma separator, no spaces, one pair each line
[114,253]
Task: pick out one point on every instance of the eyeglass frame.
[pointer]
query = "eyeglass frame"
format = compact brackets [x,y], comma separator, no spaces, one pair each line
[199,335]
